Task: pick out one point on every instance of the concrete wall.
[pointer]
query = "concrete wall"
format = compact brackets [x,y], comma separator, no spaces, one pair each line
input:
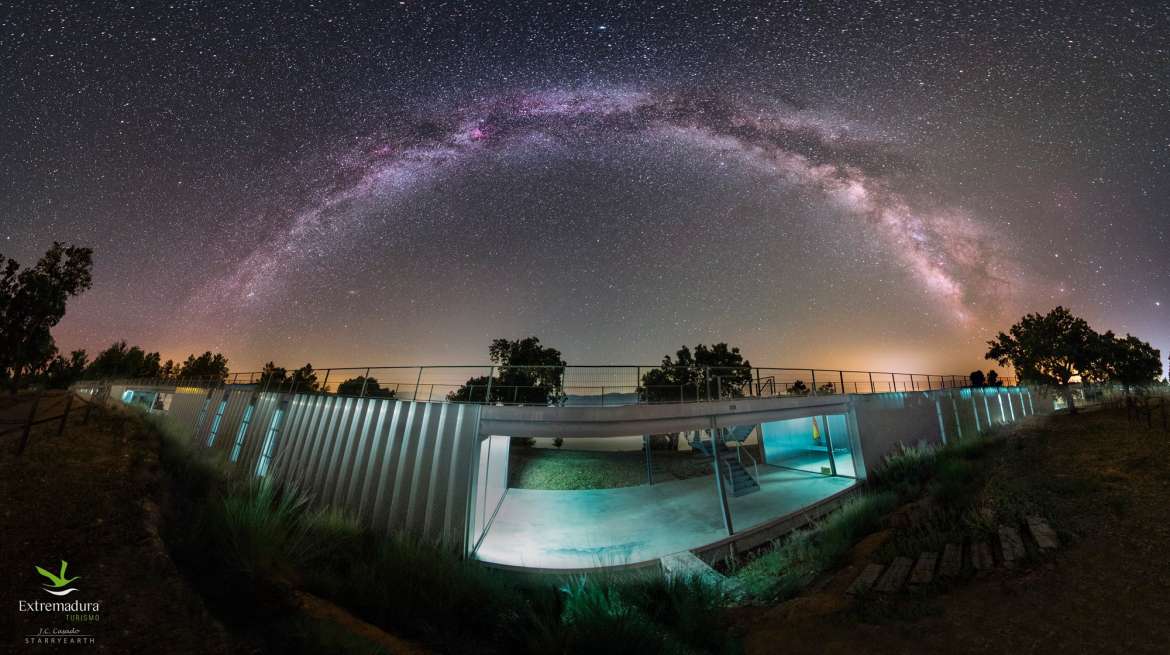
[885,420]
[394,465]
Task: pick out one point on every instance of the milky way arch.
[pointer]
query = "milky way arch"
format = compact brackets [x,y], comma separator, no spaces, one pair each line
[948,252]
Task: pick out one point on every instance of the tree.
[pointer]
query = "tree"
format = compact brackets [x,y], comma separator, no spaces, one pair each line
[524,372]
[277,378]
[354,386]
[272,376]
[208,366]
[798,388]
[123,361]
[978,379]
[827,389]
[63,372]
[32,302]
[1049,349]
[1129,362]
[993,379]
[718,371]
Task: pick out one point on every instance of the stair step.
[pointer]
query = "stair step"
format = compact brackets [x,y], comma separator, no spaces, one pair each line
[923,572]
[1043,533]
[864,582]
[895,575]
[981,558]
[1012,546]
[952,561]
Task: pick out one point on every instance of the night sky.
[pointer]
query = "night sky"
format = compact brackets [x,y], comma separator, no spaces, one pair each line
[839,184]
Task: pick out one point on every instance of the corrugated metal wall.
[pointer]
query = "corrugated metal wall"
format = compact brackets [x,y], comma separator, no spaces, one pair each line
[394,465]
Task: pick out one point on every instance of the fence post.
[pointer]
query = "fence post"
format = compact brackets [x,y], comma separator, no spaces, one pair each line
[813,376]
[842,373]
[325,382]
[28,424]
[487,399]
[65,414]
[894,382]
[365,381]
[871,387]
[418,383]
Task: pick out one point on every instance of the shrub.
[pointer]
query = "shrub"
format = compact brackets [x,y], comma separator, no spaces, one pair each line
[795,561]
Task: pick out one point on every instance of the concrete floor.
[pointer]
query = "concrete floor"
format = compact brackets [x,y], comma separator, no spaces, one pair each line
[814,462]
[544,529]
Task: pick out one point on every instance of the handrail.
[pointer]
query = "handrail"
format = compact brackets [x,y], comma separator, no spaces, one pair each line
[557,385]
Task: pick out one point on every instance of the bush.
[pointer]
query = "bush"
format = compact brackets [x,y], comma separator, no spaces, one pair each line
[906,470]
[795,561]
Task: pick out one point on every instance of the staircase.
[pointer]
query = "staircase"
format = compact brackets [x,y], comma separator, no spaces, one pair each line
[739,478]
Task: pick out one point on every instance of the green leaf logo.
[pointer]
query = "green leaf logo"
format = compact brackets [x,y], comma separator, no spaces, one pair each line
[59,580]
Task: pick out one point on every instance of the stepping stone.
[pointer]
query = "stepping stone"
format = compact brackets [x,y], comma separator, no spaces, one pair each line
[952,561]
[1012,546]
[1043,533]
[923,571]
[981,558]
[895,575]
[864,582]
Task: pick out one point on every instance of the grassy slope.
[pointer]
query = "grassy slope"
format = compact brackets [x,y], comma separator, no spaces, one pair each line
[1103,483]
[89,498]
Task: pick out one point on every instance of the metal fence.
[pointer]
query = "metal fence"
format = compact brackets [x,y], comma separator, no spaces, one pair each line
[577,385]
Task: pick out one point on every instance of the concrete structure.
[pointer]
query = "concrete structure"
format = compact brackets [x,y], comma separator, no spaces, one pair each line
[439,470]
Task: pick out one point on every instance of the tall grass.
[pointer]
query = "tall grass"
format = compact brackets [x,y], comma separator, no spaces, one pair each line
[796,560]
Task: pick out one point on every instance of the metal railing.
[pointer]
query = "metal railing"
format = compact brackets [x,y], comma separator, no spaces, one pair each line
[574,385]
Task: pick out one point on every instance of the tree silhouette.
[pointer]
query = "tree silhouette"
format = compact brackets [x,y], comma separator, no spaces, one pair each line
[798,388]
[354,387]
[32,302]
[62,372]
[993,379]
[123,361]
[978,379]
[208,366]
[1048,349]
[277,378]
[718,371]
[525,372]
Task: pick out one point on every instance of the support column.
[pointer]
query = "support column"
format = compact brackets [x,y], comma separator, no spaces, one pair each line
[829,444]
[649,465]
[719,485]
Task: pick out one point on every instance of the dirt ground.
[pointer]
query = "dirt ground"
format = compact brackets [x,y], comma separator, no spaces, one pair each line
[1105,484]
[89,497]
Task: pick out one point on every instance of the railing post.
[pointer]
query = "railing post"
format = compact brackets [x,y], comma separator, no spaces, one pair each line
[913,385]
[894,381]
[325,382]
[842,374]
[365,381]
[813,375]
[65,415]
[871,387]
[32,412]
[487,399]
[417,383]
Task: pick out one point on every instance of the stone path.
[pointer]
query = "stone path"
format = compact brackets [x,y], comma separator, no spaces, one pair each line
[981,556]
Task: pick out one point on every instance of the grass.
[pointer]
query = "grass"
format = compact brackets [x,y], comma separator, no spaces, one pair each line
[248,544]
[563,470]
[795,561]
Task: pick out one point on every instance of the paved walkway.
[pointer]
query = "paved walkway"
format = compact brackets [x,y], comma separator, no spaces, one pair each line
[608,527]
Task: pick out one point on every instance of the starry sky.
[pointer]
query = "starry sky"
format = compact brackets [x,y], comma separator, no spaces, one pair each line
[865,185]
